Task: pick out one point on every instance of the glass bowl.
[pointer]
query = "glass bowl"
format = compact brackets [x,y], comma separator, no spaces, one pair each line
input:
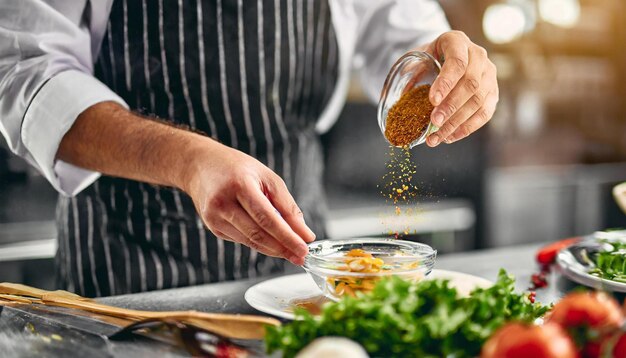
[337,274]
[412,70]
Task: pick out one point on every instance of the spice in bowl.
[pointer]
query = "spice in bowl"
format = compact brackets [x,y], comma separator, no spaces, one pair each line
[409,117]
[404,108]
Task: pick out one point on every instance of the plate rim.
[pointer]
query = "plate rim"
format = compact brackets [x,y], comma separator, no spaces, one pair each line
[584,277]
[272,311]
[290,316]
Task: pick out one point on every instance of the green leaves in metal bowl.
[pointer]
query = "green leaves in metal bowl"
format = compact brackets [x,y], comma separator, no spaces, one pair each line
[610,261]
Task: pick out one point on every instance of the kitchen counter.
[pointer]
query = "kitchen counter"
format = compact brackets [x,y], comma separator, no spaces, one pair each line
[228,298]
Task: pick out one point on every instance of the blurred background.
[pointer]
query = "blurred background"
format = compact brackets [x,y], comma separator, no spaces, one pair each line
[542,170]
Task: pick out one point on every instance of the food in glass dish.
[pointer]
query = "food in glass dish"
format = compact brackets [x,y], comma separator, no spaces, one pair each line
[361,261]
[346,267]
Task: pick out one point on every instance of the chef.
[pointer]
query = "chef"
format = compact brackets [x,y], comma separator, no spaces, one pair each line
[183,136]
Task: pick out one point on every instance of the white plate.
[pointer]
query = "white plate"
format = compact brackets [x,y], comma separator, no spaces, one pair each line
[274,296]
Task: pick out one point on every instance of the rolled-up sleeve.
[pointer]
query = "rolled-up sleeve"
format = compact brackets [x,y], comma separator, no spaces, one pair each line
[388,29]
[46,64]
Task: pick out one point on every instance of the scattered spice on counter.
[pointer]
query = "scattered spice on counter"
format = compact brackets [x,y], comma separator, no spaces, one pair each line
[56,337]
[313,305]
[409,117]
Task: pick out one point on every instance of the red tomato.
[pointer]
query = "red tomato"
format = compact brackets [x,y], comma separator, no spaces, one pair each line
[587,309]
[612,346]
[619,349]
[592,349]
[547,254]
[517,340]
[609,344]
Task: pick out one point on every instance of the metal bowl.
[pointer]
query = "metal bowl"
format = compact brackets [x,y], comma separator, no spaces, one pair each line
[575,261]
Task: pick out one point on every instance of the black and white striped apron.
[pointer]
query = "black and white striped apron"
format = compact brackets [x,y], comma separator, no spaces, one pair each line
[255,76]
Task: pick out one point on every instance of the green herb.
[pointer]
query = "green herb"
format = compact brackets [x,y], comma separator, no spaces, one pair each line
[610,262]
[408,319]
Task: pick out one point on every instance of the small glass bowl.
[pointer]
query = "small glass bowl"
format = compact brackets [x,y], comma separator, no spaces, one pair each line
[414,69]
[405,259]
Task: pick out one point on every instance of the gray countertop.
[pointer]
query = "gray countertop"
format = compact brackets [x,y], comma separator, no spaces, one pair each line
[228,297]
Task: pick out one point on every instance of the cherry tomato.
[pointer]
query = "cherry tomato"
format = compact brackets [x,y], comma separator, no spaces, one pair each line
[592,349]
[619,349]
[610,345]
[547,254]
[518,340]
[595,310]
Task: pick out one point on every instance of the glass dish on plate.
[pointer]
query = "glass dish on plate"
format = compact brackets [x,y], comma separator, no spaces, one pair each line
[345,267]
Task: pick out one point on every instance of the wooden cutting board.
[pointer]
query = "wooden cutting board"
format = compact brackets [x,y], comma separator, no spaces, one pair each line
[227,325]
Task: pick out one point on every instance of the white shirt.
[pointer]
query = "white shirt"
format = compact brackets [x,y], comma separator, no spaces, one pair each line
[48,49]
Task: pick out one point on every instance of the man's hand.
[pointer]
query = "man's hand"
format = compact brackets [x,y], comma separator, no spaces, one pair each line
[465,93]
[241,200]
[238,198]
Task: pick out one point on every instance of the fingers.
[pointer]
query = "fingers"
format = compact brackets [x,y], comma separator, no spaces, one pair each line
[457,119]
[228,232]
[261,210]
[477,120]
[468,87]
[237,226]
[233,223]
[282,200]
[257,238]
[454,48]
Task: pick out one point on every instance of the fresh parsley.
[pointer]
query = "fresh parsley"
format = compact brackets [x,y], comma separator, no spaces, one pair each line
[407,319]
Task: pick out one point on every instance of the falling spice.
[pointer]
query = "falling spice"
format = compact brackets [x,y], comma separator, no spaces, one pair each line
[409,117]
[398,186]
[399,189]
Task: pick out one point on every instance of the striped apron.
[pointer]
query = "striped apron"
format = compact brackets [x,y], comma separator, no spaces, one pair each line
[254,77]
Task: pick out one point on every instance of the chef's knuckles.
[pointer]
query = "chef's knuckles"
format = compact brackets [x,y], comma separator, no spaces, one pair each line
[473,106]
[466,90]
[477,100]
